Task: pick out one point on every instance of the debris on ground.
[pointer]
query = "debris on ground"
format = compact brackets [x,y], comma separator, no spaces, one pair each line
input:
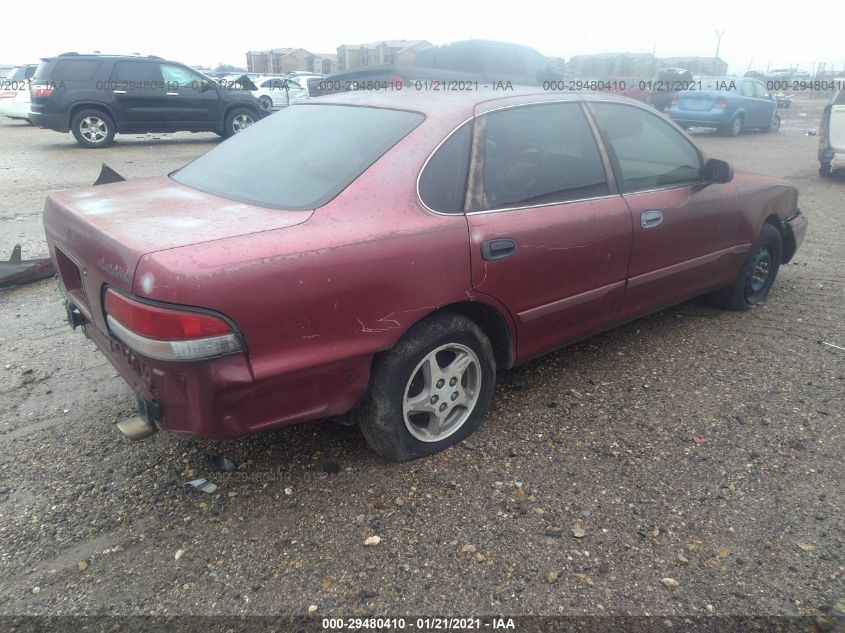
[202,484]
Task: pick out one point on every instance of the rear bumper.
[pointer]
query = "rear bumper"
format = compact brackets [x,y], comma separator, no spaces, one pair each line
[57,122]
[14,109]
[703,118]
[837,160]
[220,398]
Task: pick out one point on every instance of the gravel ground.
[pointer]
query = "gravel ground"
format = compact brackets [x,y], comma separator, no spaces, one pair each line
[696,445]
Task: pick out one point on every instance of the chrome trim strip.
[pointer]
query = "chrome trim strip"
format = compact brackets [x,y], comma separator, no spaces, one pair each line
[192,349]
[545,204]
[569,302]
[661,273]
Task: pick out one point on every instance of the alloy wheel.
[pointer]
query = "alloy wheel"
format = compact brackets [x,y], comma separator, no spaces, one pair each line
[442,392]
[93,129]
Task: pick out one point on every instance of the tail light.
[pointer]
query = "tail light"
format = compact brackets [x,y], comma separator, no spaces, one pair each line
[8,94]
[720,102]
[675,100]
[42,91]
[168,333]
[396,82]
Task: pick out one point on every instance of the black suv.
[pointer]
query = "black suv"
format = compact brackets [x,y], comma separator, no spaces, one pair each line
[95,96]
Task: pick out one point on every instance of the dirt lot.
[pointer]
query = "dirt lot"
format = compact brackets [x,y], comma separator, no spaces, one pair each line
[697,445]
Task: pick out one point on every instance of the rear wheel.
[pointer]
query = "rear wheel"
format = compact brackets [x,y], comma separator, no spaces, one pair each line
[92,128]
[757,275]
[735,127]
[430,391]
[774,126]
[238,120]
[266,102]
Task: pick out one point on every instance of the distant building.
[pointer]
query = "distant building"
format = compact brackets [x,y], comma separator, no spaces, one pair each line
[401,52]
[278,61]
[697,65]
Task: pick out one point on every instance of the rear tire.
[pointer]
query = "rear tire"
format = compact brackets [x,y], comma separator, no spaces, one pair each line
[430,391]
[824,170]
[735,127]
[237,120]
[757,274]
[775,124]
[266,102]
[92,128]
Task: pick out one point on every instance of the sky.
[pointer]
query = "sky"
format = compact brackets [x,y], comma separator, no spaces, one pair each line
[756,35]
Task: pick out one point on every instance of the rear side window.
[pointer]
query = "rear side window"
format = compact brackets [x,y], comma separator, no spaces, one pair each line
[76,70]
[650,153]
[134,73]
[299,158]
[443,182]
[540,154]
[459,57]
[502,61]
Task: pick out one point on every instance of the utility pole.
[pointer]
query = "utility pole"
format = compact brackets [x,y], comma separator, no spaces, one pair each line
[719,35]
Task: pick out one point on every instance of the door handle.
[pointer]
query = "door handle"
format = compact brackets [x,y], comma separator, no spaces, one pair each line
[172,94]
[500,248]
[119,92]
[650,219]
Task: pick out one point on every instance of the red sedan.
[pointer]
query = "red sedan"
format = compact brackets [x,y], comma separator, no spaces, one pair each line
[386,255]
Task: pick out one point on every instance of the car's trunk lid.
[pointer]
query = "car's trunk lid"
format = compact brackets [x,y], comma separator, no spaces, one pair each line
[97,235]
[696,100]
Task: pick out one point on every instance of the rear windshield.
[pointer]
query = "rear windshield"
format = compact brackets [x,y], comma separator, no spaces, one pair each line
[299,158]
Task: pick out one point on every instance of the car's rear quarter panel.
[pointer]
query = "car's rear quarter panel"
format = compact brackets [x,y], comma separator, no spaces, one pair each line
[314,302]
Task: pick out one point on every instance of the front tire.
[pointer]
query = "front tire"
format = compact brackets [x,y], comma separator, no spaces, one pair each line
[92,128]
[757,275]
[824,170]
[430,391]
[775,124]
[266,102]
[237,120]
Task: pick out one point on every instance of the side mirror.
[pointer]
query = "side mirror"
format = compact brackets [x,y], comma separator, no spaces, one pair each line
[716,170]
[205,86]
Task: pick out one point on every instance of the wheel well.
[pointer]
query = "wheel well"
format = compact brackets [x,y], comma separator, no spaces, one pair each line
[247,106]
[789,246]
[492,324]
[89,106]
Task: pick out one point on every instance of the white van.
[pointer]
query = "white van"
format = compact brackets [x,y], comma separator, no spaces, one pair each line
[832,136]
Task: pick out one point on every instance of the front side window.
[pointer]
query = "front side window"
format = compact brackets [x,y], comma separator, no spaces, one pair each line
[443,182]
[180,76]
[649,152]
[299,158]
[540,154]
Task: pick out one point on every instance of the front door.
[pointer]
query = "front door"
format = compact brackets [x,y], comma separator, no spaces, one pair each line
[193,102]
[685,230]
[549,236]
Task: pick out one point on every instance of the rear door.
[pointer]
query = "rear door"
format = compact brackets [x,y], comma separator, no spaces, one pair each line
[549,235]
[139,100]
[192,101]
[766,104]
[752,104]
[685,230]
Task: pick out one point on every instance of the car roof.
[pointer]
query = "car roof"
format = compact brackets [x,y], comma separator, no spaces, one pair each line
[461,105]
